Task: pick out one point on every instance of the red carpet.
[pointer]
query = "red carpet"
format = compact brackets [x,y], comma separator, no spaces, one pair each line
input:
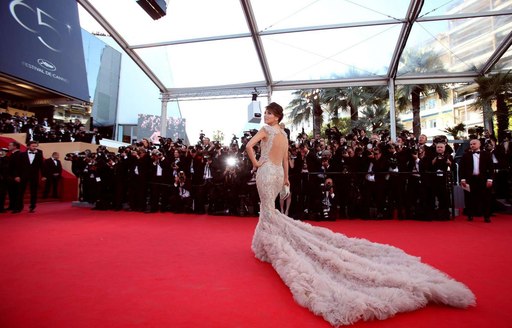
[73,267]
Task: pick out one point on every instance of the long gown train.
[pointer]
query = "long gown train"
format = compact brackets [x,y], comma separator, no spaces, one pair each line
[340,278]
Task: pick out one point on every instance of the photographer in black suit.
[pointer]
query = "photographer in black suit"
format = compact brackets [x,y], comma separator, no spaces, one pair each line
[476,172]
[160,177]
[441,168]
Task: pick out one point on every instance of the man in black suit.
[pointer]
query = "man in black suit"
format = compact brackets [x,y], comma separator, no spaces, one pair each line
[160,179]
[29,167]
[139,175]
[476,169]
[52,171]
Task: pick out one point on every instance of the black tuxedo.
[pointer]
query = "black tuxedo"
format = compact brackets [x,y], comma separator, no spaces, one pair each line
[52,171]
[29,174]
[478,199]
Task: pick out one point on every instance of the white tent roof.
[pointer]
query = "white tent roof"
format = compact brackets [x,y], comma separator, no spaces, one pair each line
[205,48]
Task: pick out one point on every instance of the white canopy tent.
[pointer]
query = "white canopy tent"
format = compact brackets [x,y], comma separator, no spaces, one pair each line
[230,48]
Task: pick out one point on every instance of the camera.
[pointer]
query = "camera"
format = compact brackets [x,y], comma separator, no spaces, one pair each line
[326,186]
[181,176]
[74,156]
[393,162]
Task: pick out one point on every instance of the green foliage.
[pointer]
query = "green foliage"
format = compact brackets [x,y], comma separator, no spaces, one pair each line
[343,124]
[407,96]
[456,130]
[496,87]
[376,119]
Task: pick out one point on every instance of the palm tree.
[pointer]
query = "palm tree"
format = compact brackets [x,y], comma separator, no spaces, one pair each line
[495,87]
[376,119]
[455,130]
[308,103]
[353,98]
[417,62]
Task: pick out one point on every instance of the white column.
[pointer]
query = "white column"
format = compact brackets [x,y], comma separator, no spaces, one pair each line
[392,120]
[163,117]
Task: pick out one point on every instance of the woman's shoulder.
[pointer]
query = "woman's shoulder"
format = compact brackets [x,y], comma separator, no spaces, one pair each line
[270,130]
[267,129]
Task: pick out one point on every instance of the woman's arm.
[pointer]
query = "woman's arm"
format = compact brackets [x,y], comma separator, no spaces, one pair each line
[249,148]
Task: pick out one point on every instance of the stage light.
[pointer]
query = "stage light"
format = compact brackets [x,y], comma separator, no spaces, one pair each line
[155,8]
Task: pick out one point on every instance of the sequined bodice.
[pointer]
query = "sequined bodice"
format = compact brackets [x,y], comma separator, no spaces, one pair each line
[266,144]
[269,178]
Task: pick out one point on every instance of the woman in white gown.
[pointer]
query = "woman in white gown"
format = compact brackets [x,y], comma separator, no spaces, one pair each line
[340,278]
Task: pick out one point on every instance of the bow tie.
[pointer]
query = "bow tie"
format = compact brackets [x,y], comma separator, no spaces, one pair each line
[476,152]
[32,152]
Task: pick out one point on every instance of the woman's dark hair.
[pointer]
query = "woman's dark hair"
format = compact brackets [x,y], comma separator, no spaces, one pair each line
[275,109]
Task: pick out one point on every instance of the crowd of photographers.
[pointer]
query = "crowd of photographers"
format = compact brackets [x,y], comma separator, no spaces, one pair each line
[44,131]
[340,176]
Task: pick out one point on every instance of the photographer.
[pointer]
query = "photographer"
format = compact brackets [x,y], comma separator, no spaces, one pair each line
[159,179]
[138,175]
[440,179]
[124,161]
[329,201]
[181,200]
[89,175]
[231,185]
[416,199]
[177,162]
[311,166]
[202,182]
[105,178]
[398,157]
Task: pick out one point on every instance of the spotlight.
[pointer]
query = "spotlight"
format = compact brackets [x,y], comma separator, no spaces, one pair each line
[155,8]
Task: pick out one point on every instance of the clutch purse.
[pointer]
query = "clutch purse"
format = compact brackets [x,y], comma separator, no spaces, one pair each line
[285,192]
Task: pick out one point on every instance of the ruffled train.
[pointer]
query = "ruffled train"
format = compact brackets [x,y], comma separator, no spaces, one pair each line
[349,279]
